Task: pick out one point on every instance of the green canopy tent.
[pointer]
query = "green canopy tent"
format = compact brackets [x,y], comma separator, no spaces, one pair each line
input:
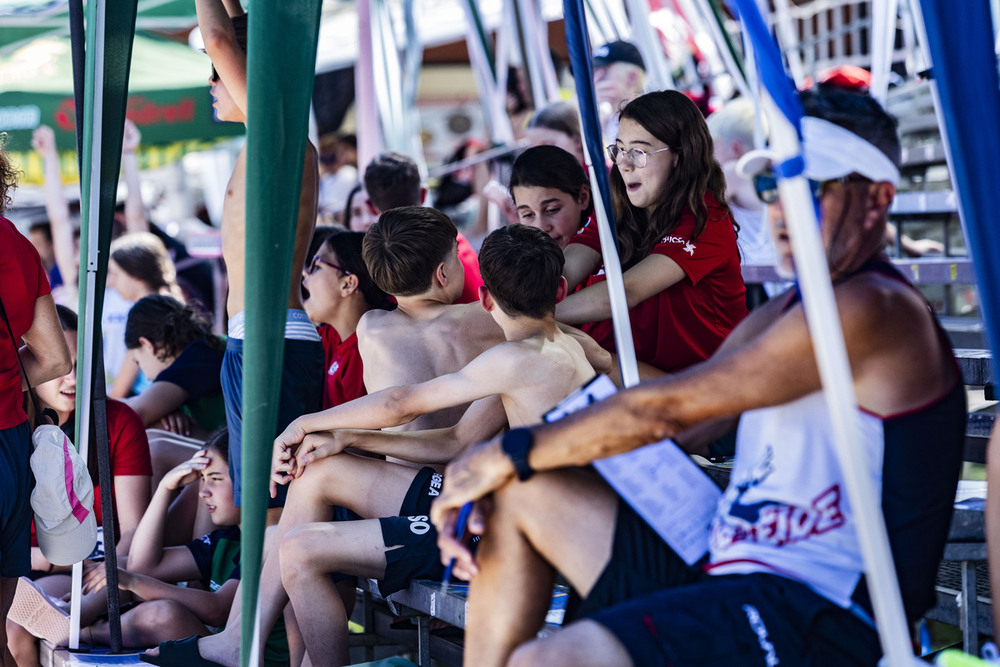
[168,100]
[22,21]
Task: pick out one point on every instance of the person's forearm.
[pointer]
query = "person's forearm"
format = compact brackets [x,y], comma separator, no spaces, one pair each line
[613,428]
[147,542]
[434,446]
[41,370]
[57,210]
[234,7]
[591,304]
[383,409]
[214,22]
[135,212]
[208,606]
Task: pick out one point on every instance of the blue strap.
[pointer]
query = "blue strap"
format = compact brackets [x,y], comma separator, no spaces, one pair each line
[790,168]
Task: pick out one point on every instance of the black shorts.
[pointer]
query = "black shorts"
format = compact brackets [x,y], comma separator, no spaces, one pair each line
[411,552]
[640,562]
[745,619]
[410,539]
[16,483]
[424,488]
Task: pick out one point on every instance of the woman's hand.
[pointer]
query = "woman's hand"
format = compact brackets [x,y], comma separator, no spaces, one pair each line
[187,472]
[177,422]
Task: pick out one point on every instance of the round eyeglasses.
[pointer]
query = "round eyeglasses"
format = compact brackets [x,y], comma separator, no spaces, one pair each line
[636,156]
[317,261]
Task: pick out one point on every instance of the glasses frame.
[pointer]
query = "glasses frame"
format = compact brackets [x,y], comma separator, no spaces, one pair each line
[317,260]
[634,155]
[765,185]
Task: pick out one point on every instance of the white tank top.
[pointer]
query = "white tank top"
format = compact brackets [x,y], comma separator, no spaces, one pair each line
[786,509]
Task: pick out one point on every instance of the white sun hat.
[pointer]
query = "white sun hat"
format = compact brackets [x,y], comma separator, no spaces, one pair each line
[63,499]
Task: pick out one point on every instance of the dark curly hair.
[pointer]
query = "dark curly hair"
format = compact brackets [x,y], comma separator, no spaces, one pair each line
[8,175]
[168,324]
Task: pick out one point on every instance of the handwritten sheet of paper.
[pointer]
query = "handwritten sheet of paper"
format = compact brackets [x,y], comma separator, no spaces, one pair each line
[661,483]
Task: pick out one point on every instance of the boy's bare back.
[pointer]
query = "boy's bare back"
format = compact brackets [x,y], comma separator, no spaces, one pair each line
[399,348]
[542,370]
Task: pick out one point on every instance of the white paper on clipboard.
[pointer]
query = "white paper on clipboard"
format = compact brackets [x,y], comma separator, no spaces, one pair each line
[661,483]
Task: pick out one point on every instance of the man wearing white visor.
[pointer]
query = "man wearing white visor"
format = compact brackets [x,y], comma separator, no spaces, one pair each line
[782,582]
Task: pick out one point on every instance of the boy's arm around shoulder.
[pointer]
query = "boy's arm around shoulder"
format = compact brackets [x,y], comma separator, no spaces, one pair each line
[488,374]
[484,419]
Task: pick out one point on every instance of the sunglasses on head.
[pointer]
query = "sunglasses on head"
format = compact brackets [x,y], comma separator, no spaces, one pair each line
[766,185]
[318,261]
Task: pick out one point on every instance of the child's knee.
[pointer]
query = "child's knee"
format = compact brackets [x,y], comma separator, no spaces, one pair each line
[296,549]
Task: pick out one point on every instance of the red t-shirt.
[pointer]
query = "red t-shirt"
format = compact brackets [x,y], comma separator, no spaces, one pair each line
[344,372]
[129,453]
[22,281]
[470,262]
[685,323]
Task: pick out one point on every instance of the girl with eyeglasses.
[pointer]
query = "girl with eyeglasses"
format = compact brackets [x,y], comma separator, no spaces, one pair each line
[338,292]
[676,240]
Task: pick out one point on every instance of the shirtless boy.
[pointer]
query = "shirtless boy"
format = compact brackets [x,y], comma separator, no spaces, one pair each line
[223,26]
[533,370]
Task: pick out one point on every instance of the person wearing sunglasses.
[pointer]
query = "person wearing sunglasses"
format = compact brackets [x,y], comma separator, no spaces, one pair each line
[782,579]
[338,292]
[676,240]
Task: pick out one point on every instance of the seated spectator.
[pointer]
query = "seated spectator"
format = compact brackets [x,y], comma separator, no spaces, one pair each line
[339,292]
[167,611]
[536,366]
[800,580]
[32,350]
[676,240]
[358,216]
[130,471]
[551,192]
[139,265]
[175,348]
[732,129]
[392,180]
[556,124]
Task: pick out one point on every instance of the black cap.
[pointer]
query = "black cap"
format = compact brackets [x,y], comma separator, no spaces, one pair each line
[618,52]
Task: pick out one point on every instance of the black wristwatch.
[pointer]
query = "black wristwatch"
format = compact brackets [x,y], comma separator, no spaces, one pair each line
[516,444]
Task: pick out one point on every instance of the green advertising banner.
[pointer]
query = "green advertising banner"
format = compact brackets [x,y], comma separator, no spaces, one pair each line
[168,99]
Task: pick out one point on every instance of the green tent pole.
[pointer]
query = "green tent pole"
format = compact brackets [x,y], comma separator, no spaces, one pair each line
[109,31]
[279,91]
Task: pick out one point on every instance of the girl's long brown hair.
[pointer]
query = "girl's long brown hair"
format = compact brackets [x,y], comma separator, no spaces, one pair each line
[675,120]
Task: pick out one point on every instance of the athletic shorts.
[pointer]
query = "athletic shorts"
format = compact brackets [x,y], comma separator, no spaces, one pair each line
[743,619]
[16,484]
[640,562]
[301,393]
[411,539]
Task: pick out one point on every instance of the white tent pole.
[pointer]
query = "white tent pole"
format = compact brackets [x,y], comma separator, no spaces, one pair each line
[918,22]
[616,282]
[648,41]
[699,14]
[545,87]
[369,129]
[830,350]
[883,42]
[788,40]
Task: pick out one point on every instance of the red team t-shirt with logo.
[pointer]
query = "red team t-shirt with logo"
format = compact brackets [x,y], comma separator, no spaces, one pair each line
[685,323]
[343,372]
